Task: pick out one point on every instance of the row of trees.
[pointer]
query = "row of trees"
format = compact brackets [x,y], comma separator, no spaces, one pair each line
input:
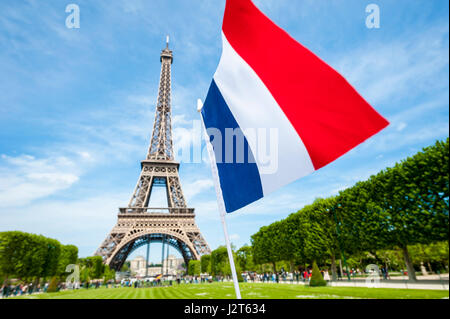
[94,268]
[28,256]
[31,257]
[405,205]
[215,264]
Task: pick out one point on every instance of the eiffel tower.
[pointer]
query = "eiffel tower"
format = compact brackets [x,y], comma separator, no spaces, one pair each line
[139,225]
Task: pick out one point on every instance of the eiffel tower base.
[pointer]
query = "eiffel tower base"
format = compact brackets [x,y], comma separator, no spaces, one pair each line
[136,228]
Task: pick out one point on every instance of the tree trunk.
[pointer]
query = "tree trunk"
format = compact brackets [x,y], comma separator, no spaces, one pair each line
[409,265]
[340,268]
[274,267]
[333,268]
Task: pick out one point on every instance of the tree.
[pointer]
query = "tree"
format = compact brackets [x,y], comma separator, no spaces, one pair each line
[219,258]
[22,254]
[415,194]
[267,247]
[125,267]
[316,277]
[220,265]
[206,264]
[53,286]
[94,266]
[51,259]
[108,274]
[68,256]
[27,255]
[194,267]
[434,256]
[322,235]
[12,252]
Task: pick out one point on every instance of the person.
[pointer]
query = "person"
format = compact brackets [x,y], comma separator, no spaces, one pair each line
[5,291]
[326,276]
[383,272]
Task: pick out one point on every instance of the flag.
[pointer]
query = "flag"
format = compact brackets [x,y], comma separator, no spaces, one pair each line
[267,80]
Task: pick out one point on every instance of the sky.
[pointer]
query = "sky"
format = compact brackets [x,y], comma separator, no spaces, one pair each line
[77,105]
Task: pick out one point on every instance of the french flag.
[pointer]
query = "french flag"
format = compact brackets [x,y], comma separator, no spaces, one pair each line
[268,80]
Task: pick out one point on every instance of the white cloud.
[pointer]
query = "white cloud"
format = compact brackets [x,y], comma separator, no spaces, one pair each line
[398,70]
[235,237]
[82,222]
[26,178]
[401,126]
[195,188]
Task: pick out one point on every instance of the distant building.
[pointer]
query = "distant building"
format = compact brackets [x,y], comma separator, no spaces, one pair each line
[172,266]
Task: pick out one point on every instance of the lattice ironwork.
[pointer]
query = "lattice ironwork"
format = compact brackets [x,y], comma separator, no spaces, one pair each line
[139,224]
[161,147]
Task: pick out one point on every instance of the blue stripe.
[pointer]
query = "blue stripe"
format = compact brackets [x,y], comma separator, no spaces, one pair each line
[240,182]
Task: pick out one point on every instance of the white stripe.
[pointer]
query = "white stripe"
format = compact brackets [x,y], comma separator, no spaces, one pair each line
[254,107]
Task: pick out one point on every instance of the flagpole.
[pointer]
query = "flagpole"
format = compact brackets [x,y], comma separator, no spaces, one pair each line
[220,203]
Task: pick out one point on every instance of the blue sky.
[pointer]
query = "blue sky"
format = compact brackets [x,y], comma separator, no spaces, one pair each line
[77,105]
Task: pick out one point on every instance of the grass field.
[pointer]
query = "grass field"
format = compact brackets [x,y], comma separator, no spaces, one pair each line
[249,291]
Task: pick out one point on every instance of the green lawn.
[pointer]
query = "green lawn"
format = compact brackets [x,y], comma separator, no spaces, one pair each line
[249,291]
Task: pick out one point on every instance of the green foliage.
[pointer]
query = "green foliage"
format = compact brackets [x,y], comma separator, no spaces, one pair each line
[266,245]
[220,264]
[125,267]
[316,277]
[53,250]
[68,256]
[395,210]
[26,255]
[53,286]
[85,274]
[206,264]
[244,258]
[108,274]
[219,260]
[194,268]
[92,267]
[435,256]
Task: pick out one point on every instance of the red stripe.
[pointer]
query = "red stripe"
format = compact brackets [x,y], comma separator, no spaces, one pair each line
[328,114]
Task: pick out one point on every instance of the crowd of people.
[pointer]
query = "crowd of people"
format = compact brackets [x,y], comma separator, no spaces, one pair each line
[21,289]
[18,289]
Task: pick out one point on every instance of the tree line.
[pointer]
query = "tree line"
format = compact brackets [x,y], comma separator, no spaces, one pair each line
[404,205]
[29,257]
